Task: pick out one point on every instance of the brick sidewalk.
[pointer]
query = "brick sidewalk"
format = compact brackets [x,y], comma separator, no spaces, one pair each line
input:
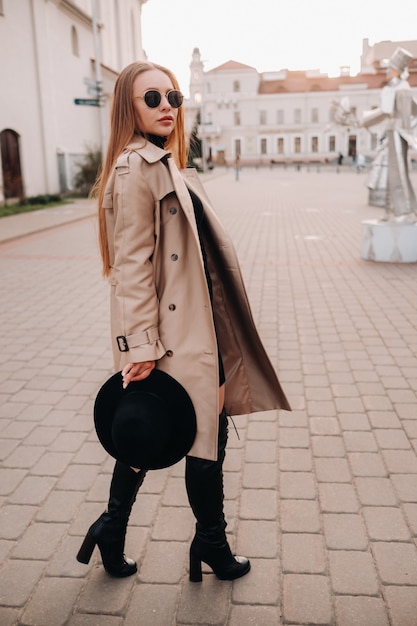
[325,505]
[15,226]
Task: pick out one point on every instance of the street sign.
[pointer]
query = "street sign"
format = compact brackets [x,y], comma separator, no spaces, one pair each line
[94,91]
[90,82]
[92,102]
[93,87]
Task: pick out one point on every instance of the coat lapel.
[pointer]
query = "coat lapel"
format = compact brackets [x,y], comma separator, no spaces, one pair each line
[183,194]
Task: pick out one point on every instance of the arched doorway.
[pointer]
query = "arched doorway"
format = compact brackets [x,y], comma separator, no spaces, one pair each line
[10,163]
[352,147]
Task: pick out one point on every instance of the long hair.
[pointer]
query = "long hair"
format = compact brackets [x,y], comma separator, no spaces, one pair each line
[123,126]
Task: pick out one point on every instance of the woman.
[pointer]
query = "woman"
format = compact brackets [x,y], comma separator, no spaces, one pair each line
[177,303]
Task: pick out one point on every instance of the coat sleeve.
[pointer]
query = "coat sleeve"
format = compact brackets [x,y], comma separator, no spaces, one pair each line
[136,306]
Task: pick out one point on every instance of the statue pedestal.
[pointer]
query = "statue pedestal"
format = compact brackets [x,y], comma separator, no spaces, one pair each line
[389,242]
[377,197]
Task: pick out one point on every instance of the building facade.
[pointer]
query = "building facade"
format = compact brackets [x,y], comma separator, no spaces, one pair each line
[53,53]
[287,116]
[72,53]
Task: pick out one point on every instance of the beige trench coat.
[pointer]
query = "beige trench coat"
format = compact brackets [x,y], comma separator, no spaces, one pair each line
[160,303]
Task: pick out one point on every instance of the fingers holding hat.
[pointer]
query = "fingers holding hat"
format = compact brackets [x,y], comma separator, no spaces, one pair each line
[136,371]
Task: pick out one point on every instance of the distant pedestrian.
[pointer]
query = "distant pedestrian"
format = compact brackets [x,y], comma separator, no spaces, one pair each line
[178,308]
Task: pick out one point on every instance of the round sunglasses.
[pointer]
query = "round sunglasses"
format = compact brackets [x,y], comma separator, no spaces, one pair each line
[153,98]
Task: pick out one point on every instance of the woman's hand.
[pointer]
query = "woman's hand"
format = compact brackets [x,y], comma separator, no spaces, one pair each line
[136,371]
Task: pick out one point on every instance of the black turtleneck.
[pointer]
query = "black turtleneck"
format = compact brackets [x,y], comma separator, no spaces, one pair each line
[157,140]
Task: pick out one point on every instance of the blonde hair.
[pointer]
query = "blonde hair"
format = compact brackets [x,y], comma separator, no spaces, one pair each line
[123,126]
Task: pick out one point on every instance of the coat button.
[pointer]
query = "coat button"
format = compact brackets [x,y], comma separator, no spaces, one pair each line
[174,257]
[172,307]
[169,353]
[173,210]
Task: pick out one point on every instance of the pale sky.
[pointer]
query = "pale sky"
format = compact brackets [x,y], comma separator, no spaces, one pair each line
[271,34]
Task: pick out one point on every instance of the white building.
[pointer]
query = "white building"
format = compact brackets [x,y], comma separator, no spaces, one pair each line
[48,51]
[287,116]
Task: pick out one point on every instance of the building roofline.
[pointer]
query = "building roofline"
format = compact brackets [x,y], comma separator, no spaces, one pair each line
[232,66]
[75,11]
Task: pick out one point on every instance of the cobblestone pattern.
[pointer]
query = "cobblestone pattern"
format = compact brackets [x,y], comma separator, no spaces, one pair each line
[323,500]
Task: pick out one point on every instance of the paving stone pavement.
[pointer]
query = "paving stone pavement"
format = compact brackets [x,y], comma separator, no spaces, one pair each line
[323,499]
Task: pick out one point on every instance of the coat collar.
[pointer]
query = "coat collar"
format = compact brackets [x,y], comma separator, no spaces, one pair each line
[147,150]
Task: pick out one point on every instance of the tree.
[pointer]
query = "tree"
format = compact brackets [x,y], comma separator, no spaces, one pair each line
[88,169]
[195,146]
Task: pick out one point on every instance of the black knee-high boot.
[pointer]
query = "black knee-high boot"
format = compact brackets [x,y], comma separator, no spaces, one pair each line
[109,530]
[204,483]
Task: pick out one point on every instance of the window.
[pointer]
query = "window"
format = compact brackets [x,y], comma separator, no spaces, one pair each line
[314,115]
[374,141]
[262,117]
[236,86]
[237,118]
[297,116]
[1,8]
[297,145]
[280,116]
[280,145]
[74,42]
[264,146]
[332,143]
[352,146]
[238,147]
[197,97]
[314,144]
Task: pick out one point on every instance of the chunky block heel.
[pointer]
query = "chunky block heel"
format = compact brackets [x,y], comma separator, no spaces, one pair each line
[86,550]
[196,575]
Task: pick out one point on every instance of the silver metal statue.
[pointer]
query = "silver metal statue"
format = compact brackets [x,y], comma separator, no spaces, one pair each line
[389,180]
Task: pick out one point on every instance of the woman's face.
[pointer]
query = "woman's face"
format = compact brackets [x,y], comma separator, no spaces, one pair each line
[161,119]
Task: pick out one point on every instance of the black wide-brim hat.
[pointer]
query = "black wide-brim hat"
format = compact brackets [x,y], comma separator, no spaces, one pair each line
[149,425]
